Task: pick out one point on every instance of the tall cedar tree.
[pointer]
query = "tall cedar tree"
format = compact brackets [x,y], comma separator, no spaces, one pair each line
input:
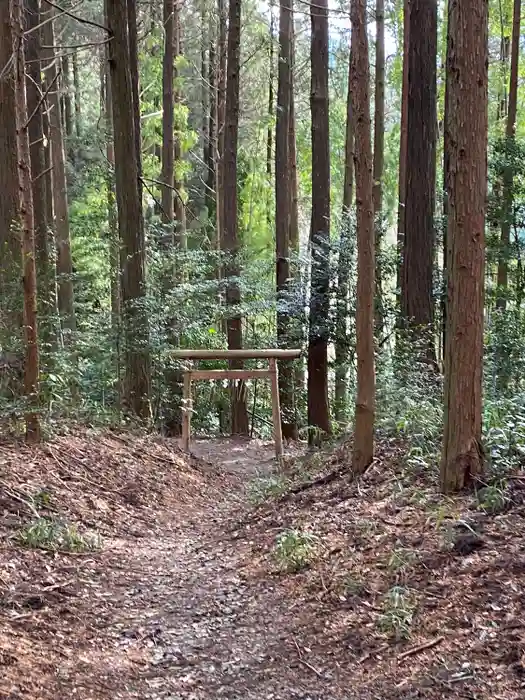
[137,378]
[344,262]
[10,297]
[467,77]
[379,156]
[269,133]
[222,55]
[508,175]
[403,141]
[212,131]
[318,408]
[31,363]
[231,245]
[168,118]
[180,205]
[419,241]
[283,202]
[64,262]
[44,262]
[365,400]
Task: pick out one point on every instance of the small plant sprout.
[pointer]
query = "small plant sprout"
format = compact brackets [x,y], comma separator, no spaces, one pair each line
[398,612]
[294,549]
[55,536]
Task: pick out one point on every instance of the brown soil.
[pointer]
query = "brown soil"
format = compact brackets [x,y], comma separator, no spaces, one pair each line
[185,598]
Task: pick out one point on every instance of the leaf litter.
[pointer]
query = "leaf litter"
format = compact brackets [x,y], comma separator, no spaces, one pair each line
[183,596]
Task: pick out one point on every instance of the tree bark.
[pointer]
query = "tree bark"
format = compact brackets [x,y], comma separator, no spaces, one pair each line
[66,95]
[269,130]
[168,119]
[64,263]
[10,296]
[283,201]
[135,83]
[467,75]
[508,174]
[44,262]
[379,158]
[343,264]
[180,206]
[212,132]
[130,214]
[403,141]
[419,241]
[31,363]
[78,97]
[221,117]
[318,407]
[230,233]
[365,400]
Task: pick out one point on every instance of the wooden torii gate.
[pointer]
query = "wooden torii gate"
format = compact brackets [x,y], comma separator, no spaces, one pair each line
[271,373]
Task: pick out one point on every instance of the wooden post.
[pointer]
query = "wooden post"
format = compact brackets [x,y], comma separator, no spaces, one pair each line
[186,411]
[276,409]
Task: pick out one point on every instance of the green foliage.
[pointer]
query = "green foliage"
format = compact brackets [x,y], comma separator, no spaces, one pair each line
[397,615]
[294,549]
[261,489]
[55,536]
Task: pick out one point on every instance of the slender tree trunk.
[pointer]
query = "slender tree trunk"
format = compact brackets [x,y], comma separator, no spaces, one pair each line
[130,214]
[180,207]
[64,264]
[343,264]
[10,293]
[318,408]
[168,119]
[135,83]
[230,233]
[419,242]
[269,134]
[66,95]
[467,73]
[446,175]
[221,117]
[78,98]
[283,201]
[31,364]
[212,133]
[299,315]
[508,174]
[401,228]
[365,400]
[379,158]
[204,88]
[44,262]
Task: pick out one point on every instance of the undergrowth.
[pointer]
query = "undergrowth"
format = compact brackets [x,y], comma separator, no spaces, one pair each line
[53,535]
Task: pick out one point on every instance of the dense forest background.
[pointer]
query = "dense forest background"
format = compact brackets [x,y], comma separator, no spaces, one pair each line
[203,175]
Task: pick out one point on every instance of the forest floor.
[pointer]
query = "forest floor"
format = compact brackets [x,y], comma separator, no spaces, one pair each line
[213,577]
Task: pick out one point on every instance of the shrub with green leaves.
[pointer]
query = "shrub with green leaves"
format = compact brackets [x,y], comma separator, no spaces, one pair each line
[294,549]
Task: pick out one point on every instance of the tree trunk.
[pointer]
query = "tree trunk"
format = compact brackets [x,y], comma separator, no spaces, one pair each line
[379,158]
[31,364]
[419,243]
[365,400]
[168,119]
[66,95]
[269,131]
[204,88]
[44,262]
[180,207]
[78,101]
[10,296]
[318,408]
[212,133]
[240,424]
[508,175]
[299,316]
[403,141]
[64,262]
[221,116]
[283,201]
[343,264]
[135,82]
[130,214]
[467,75]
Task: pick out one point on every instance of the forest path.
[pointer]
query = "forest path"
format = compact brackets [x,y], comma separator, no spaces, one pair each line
[214,626]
